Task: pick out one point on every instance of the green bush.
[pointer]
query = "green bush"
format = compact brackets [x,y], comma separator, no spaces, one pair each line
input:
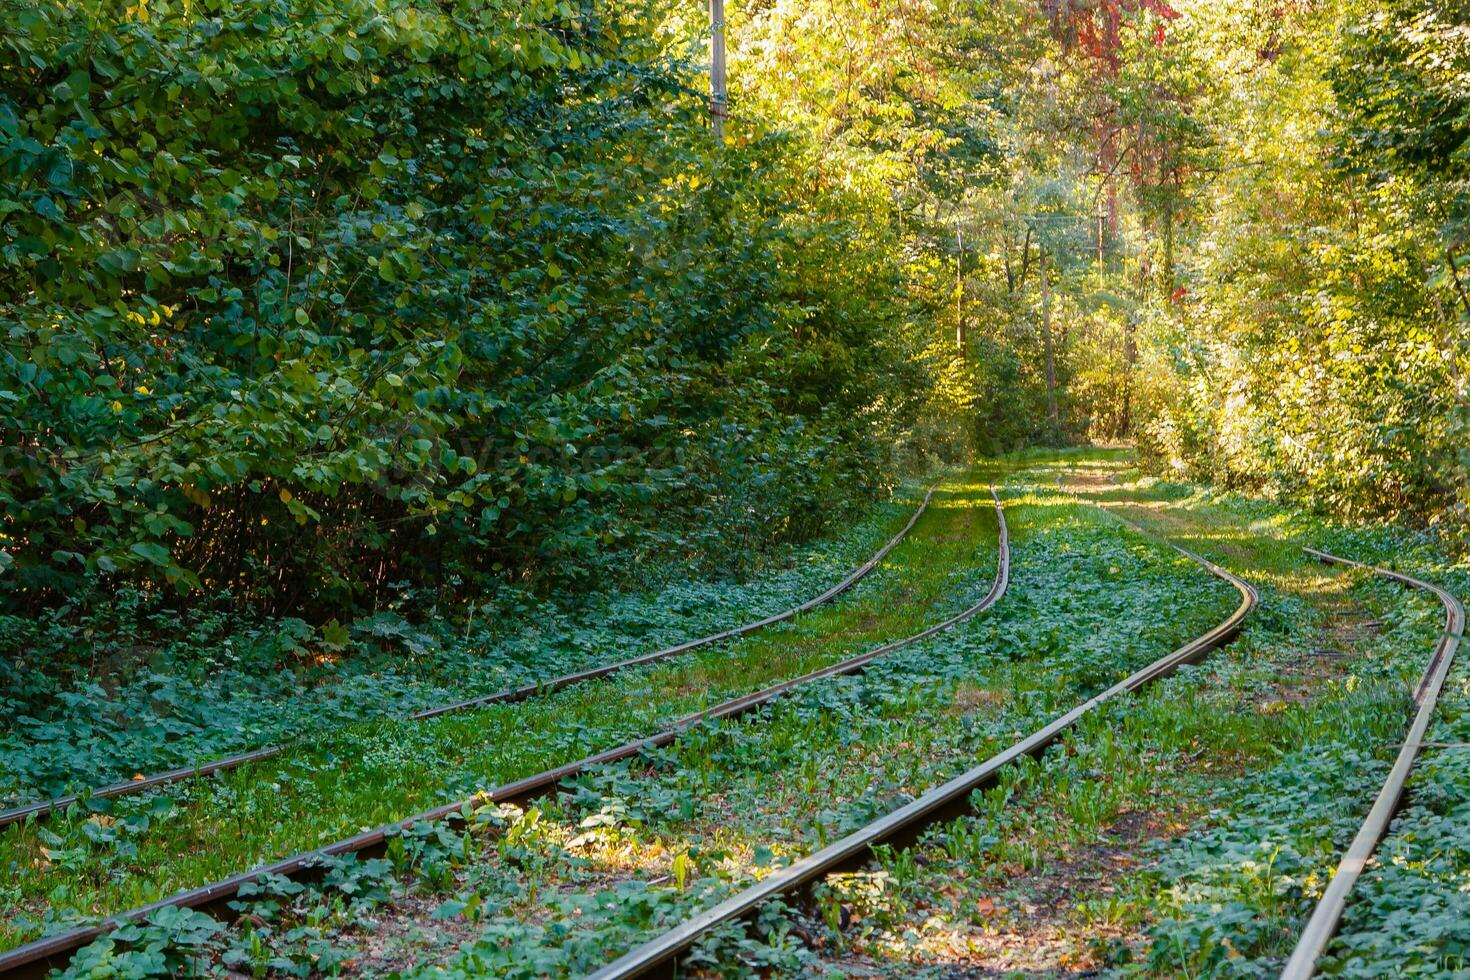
[303,298]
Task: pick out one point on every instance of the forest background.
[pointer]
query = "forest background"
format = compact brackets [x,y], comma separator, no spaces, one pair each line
[322,306]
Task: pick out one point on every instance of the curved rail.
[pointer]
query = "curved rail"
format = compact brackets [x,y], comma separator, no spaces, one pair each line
[35,958]
[1322,926]
[129,787]
[659,957]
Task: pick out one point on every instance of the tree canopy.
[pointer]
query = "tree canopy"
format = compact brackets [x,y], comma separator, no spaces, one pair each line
[307,299]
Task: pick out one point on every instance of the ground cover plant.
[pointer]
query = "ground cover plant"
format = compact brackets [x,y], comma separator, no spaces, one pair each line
[1238,893]
[1230,747]
[218,690]
[1408,912]
[378,771]
[1189,831]
[708,811]
[1062,867]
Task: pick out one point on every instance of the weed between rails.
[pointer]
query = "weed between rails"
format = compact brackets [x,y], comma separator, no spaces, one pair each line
[1059,870]
[634,847]
[217,688]
[1247,775]
[1410,911]
[1182,832]
[148,847]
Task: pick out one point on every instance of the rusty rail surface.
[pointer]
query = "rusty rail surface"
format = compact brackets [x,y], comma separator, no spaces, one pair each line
[1322,926]
[35,958]
[660,956]
[47,808]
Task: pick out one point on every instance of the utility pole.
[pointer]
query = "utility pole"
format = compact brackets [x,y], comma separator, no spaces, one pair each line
[717,68]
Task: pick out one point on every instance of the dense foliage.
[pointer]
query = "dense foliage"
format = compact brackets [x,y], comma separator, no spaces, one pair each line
[305,298]
[1319,348]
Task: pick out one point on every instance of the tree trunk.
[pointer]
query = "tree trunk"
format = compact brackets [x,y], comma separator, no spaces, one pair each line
[960,340]
[1051,364]
[1130,358]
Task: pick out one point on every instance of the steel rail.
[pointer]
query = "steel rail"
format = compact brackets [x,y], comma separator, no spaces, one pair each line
[34,958]
[659,957]
[1322,926]
[128,787]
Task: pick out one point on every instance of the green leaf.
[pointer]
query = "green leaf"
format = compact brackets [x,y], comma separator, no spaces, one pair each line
[450,909]
[335,636]
[151,552]
[76,86]
[120,260]
[47,209]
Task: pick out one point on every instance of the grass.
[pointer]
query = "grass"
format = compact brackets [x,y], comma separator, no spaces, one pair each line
[1222,773]
[1184,831]
[1187,831]
[562,887]
[373,772]
[1410,912]
[164,692]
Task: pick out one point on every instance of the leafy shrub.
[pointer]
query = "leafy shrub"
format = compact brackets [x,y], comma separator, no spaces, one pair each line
[304,298]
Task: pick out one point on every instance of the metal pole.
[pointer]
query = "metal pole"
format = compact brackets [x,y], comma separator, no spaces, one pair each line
[717,67]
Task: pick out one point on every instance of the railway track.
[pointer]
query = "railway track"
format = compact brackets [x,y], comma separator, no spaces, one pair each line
[1327,915]
[660,957]
[47,808]
[34,959]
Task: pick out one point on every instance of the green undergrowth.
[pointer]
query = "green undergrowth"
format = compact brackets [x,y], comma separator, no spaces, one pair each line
[632,847]
[161,695]
[1235,517]
[133,850]
[1410,912]
[1185,831]
[994,887]
[1338,651]
[1189,830]
[1230,898]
